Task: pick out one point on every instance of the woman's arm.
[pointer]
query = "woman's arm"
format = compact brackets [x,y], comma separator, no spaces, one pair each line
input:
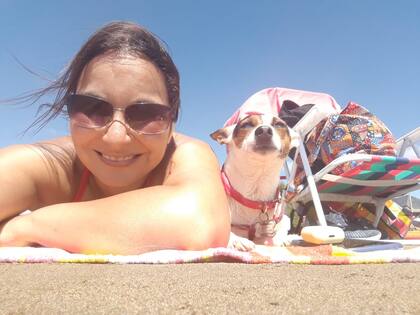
[189,211]
[28,180]
[17,190]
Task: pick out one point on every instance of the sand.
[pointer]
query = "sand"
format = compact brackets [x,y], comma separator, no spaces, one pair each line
[210,288]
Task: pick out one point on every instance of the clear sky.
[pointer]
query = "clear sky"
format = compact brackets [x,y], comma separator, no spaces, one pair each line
[365,51]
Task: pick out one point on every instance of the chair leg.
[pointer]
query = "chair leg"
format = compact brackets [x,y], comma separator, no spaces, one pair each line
[379,210]
[312,187]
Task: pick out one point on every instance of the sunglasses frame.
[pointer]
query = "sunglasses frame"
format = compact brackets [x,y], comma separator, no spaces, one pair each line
[169,113]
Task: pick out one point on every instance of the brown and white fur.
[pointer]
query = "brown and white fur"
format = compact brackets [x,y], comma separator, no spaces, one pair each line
[257,147]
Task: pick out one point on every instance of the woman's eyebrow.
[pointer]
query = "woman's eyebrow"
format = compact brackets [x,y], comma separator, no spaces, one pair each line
[145,100]
[140,100]
[92,94]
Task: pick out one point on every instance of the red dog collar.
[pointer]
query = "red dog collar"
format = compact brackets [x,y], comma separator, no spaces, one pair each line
[253,204]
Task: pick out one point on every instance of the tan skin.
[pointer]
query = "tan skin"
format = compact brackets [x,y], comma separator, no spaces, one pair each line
[131,208]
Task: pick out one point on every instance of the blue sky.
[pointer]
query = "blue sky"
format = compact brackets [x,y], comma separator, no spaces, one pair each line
[364,51]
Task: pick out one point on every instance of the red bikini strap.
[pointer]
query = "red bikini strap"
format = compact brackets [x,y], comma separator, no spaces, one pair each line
[82,186]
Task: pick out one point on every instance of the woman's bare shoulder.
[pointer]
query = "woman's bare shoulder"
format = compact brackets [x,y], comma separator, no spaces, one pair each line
[25,153]
[192,149]
[183,139]
[192,159]
[48,165]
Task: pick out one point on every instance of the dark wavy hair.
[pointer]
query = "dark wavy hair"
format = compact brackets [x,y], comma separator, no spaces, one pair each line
[114,38]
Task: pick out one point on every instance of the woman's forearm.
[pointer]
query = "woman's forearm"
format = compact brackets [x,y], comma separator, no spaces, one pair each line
[155,218]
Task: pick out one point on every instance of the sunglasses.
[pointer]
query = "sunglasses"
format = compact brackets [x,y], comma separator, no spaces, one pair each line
[145,118]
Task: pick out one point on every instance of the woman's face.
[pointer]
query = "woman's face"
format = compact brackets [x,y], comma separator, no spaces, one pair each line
[119,158]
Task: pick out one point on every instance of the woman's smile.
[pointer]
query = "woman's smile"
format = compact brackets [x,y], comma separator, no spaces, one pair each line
[118,160]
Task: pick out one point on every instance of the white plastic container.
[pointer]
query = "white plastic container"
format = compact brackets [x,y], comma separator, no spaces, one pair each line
[322,234]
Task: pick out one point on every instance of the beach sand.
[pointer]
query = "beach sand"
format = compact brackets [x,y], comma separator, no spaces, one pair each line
[209,288]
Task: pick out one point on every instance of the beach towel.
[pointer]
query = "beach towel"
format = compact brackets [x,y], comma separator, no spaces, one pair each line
[297,254]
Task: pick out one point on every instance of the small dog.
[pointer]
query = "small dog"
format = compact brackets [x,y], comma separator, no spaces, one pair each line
[257,146]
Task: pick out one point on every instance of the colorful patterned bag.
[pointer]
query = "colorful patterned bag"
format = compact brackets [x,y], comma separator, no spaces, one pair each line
[354,130]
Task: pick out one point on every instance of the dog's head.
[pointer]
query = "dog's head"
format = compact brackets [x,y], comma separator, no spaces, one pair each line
[257,134]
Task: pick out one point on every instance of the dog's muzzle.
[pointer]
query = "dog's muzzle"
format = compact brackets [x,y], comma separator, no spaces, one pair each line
[264,139]
[263,134]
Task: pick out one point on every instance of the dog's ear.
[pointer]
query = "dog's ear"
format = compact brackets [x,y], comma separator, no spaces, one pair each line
[294,138]
[223,135]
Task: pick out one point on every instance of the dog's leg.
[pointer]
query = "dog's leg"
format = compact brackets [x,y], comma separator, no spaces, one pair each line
[282,230]
[240,243]
[280,238]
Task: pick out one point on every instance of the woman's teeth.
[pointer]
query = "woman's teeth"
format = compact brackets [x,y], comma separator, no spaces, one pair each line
[118,158]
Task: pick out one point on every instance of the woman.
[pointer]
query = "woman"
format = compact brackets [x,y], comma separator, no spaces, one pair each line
[123,182]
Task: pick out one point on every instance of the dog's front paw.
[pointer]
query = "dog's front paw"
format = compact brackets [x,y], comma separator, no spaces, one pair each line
[269,241]
[273,234]
[283,227]
[240,243]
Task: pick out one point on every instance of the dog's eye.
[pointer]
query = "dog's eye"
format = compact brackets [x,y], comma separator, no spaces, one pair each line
[279,124]
[247,125]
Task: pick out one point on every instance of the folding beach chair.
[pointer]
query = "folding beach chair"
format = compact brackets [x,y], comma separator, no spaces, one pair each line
[409,144]
[375,179]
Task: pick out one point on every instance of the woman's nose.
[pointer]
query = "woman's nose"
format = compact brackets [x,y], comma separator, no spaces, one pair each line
[117,130]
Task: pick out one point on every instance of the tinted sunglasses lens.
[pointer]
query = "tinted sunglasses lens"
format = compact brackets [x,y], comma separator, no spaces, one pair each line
[88,111]
[148,118]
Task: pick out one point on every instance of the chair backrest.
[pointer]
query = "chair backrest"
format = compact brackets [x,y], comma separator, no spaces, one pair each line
[270,100]
[409,141]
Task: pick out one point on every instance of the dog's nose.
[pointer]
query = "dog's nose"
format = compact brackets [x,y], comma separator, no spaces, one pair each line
[263,132]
